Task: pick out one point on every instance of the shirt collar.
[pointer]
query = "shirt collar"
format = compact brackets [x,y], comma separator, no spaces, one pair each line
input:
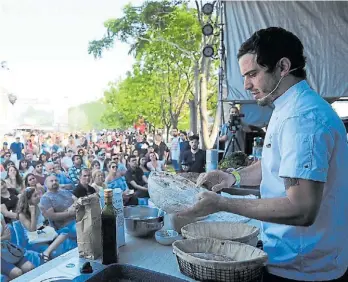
[290,94]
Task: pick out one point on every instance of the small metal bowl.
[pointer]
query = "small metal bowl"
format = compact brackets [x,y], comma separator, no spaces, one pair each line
[166,237]
[142,221]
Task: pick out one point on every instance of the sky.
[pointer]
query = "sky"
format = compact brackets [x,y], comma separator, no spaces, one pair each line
[45,44]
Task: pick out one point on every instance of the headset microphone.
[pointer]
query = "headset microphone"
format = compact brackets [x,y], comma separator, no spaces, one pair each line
[275,88]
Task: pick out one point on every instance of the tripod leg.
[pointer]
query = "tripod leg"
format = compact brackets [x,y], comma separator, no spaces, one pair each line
[226,150]
[240,149]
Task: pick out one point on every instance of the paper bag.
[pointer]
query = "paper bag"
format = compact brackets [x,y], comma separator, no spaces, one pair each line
[88,227]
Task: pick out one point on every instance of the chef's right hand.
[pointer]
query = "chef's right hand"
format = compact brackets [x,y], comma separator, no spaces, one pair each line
[208,203]
[216,180]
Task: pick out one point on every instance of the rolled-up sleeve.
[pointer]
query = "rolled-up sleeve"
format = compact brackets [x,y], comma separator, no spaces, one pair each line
[305,147]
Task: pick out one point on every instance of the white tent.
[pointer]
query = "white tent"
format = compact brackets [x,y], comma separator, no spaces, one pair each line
[321,26]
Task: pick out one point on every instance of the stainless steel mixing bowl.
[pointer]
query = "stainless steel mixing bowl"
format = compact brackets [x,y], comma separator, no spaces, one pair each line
[142,221]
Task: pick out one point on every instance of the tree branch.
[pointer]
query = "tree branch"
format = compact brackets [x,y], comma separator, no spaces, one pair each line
[199,15]
[161,39]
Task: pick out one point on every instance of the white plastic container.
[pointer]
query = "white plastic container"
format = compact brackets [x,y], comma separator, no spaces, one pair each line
[118,205]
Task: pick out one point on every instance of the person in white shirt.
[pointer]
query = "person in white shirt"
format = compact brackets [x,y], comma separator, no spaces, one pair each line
[175,150]
[302,174]
[66,161]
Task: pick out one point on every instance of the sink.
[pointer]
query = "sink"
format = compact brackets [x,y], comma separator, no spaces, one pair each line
[125,272]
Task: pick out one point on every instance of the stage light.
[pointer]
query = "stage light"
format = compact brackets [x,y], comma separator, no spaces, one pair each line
[208,51]
[208,8]
[207,29]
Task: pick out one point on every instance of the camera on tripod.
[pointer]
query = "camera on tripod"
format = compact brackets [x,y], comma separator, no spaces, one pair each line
[235,122]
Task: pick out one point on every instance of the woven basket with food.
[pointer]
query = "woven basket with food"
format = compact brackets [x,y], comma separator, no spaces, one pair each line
[209,259]
[238,232]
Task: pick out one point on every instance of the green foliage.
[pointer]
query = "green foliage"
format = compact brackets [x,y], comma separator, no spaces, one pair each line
[235,160]
[165,38]
[140,94]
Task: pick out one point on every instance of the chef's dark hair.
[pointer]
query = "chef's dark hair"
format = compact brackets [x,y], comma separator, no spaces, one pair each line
[273,43]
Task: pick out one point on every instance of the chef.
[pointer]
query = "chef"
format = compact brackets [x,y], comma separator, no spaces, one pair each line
[302,175]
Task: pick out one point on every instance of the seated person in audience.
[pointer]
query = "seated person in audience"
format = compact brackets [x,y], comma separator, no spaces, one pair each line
[55,169]
[32,219]
[98,180]
[136,179]
[142,164]
[155,164]
[121,168]
[95,165]
[150,150]
[7,164]
[31,181]
[9,199]
[39,172]
[58,206]
[75,170]
[67,161]
[9,270]
[14,179]
[83,188]
[115,180]
[23,168]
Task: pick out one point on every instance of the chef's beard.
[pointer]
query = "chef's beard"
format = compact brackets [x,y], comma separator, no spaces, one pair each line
[271,96]
[267,100]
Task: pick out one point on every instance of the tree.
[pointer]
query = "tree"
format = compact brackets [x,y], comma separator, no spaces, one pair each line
[150,30]
[166,39]
[130,98]
[140,94]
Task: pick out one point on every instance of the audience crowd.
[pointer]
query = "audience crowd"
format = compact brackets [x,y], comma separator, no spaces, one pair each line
[43,174]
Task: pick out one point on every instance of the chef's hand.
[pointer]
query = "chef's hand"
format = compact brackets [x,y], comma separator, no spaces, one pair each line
[208,203]
[216,180]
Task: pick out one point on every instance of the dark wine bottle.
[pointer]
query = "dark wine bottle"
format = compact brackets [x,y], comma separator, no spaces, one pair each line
[109,237]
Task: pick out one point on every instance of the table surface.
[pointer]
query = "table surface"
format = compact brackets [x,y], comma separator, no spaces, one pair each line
[141,252]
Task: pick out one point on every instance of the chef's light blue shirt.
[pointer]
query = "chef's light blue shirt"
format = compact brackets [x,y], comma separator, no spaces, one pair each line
[306,139]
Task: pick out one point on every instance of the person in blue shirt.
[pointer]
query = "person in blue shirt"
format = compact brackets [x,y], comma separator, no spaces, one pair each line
[17,147]
[302,174]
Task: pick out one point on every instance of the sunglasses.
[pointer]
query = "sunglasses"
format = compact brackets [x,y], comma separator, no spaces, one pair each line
[114,159]
[113,166]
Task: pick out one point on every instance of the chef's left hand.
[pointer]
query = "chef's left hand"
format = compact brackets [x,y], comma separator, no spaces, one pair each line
[208,203]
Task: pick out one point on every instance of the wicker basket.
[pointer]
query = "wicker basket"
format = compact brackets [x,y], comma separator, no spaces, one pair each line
[172,193]
[201,260]
[238,232]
